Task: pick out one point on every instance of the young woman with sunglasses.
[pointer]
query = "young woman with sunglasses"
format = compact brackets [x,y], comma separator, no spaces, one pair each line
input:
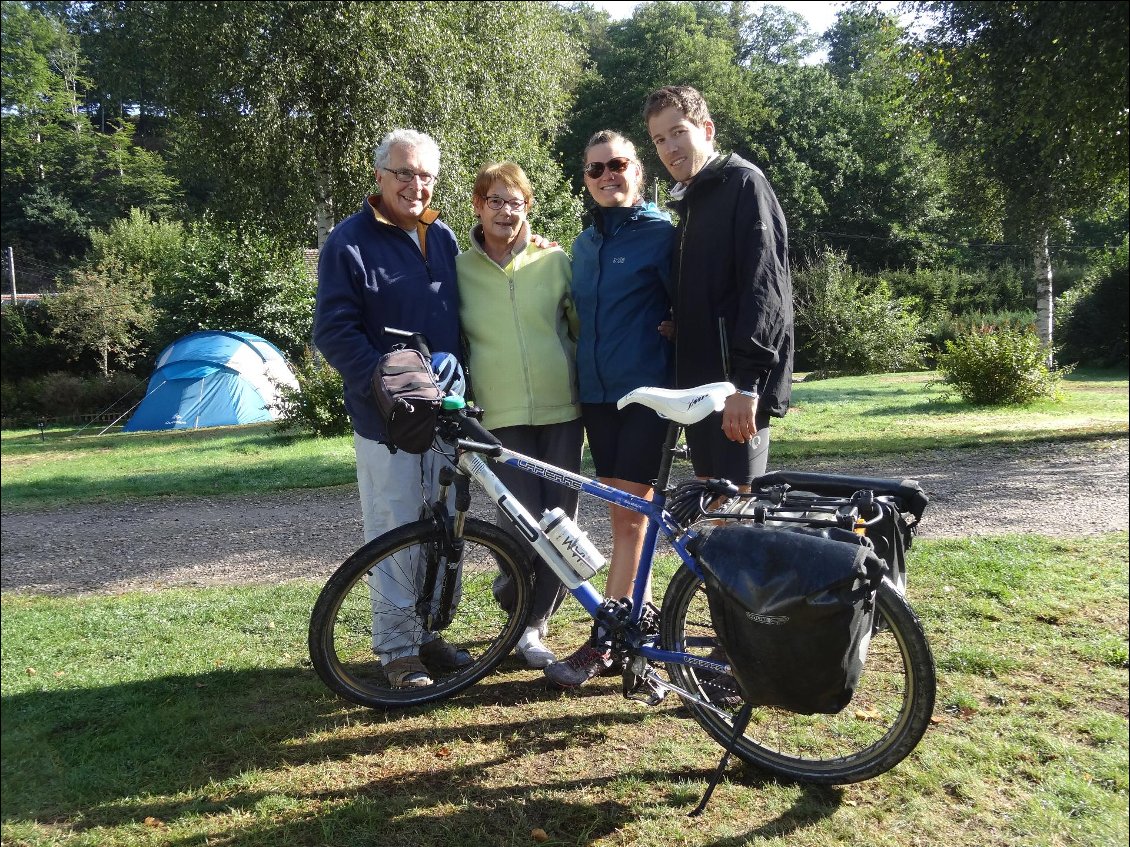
[516,312]
[621,265]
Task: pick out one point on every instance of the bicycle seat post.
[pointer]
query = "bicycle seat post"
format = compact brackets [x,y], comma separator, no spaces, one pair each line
[670,449]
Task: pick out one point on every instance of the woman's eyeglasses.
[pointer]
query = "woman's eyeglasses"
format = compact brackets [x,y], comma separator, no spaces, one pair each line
[594,170]
[494,202]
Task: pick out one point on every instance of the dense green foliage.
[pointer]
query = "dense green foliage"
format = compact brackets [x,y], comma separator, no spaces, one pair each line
[998,366]
[60,395]
[62,177]
[28,344]
[167,161]
[1094,320]
[235,279]
[1032,99]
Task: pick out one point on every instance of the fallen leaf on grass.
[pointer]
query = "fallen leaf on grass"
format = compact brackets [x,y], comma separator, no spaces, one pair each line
[867,715]
[539,835]
[443,752]
[32,671]
[153,822]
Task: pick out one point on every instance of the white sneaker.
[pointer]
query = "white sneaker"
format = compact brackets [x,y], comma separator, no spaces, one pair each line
[536,654]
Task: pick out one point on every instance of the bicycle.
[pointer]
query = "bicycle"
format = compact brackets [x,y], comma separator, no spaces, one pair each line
[669,649]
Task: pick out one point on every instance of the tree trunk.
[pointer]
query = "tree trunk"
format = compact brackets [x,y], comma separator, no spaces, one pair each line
[324,208]
[1045,298]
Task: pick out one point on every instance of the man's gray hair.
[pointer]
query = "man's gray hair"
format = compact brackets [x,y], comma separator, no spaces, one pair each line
[424,144]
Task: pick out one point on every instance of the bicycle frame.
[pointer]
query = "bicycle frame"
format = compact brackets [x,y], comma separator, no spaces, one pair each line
[477,467]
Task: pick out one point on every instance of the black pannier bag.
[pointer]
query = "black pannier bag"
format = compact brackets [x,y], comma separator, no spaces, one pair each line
[408,398]
[794,609]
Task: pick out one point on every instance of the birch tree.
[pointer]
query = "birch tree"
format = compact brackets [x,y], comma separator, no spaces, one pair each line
[1035,94]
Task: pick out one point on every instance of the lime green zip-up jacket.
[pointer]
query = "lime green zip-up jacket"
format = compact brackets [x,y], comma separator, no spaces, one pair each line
[521,331]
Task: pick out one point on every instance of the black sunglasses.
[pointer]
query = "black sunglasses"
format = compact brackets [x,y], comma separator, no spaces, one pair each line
[594,170]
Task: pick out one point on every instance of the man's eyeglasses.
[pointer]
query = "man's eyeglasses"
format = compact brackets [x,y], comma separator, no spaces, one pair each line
[494,202]
[406,175]
[594,170]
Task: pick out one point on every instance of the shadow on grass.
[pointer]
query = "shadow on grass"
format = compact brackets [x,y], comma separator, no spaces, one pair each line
[91,757]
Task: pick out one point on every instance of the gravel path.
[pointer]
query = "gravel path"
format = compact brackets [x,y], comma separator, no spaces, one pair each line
[1072,489]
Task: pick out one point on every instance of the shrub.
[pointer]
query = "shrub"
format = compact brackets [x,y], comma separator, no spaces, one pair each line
[842,327]
[318,405]
[995,366]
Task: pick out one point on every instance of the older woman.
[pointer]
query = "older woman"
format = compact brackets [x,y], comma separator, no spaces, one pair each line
[620,269]
[517,315]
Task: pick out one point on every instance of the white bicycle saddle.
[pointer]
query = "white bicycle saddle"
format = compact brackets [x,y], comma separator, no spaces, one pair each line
[685,406]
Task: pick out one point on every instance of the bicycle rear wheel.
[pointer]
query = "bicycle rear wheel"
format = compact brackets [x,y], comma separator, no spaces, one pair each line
[884,722]
[341,637]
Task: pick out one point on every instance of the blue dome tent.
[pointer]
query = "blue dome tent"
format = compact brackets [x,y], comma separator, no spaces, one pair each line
[212,378]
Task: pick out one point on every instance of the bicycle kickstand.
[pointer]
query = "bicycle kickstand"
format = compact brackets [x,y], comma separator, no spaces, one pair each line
[741,720]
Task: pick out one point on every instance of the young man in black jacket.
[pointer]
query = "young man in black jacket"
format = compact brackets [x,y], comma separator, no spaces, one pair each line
[730,287]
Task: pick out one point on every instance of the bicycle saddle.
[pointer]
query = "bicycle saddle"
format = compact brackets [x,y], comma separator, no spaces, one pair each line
[686,405]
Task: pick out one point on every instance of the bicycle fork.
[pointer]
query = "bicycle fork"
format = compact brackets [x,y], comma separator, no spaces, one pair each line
[446,555]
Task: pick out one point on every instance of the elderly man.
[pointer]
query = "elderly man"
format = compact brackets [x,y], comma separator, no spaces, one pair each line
[391,264]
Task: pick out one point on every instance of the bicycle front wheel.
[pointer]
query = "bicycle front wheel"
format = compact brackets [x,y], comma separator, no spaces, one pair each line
[885,720]
[356,612]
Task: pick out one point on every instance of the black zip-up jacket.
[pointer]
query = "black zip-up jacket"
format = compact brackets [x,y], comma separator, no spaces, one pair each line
[731,287]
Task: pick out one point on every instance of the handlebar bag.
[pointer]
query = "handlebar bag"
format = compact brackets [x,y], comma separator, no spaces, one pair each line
[408,398]
[794,610]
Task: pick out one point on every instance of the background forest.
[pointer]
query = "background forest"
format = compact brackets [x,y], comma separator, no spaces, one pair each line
[169,166]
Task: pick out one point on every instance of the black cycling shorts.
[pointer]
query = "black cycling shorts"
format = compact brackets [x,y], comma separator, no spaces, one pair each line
[625,443]
[715,456]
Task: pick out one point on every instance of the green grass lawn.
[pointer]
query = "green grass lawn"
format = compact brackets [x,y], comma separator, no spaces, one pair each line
[192,717]
[844,418]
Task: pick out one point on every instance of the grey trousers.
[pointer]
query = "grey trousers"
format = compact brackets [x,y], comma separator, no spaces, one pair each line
[396,489]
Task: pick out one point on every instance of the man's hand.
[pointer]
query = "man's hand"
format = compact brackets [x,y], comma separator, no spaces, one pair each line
[541,242]
[738,417]
[667,329]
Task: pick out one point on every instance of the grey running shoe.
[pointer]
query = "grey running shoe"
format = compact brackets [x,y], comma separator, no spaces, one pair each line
[407,672]
[579,668]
